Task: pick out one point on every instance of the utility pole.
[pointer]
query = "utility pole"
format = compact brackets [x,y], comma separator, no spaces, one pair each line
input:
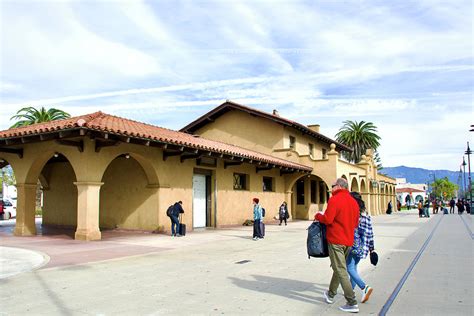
[468,153]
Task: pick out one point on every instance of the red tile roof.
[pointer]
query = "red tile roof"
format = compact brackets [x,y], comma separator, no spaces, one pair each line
[228,105]
[103,122]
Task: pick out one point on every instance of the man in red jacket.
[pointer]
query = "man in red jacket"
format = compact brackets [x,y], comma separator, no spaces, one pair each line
[341,218]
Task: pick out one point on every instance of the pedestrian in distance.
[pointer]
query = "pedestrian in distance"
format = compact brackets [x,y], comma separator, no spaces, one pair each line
[283,213]
[426,208]
[341,218]
[408,201]
[420,208]
[363,244]
[173,213]
[460,206]
[389,208]
[435,206]
[452,203]
[467,207]
[257,220]
[399,205]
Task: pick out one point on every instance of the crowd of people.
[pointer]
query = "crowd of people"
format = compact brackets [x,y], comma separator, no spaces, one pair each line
[349,234]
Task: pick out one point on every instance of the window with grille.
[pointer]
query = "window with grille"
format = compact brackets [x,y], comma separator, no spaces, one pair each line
[324,153]
[240,181]
[292,142]
[311,150]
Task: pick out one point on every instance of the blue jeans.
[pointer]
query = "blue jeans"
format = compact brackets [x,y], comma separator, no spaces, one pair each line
[352,261]
[174,221]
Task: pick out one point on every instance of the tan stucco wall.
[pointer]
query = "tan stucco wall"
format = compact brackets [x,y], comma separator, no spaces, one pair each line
[235,206]
[60,199]
[242,129]
[126,202]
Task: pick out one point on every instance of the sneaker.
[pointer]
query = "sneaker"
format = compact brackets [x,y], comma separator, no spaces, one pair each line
[349,308]
[255,238]
[329,299]
[366,294]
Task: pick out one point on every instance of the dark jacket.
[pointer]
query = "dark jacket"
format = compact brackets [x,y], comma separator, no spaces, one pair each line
[177,209]
[341,218]
[284,214]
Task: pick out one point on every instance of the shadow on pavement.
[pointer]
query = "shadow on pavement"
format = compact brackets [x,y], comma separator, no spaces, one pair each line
[288,289]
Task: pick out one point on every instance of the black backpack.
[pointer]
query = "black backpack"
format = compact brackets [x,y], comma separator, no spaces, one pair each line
[263,212]
[170,210]
[317,244]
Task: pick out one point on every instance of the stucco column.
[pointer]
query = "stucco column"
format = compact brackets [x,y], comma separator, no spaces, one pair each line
[366,198]
[25,211]
[88,197]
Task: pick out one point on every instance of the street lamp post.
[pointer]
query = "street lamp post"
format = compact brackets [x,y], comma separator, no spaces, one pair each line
[468,153]
[464,175]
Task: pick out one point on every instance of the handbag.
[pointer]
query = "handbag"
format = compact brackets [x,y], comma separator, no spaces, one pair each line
[374,258]
[358,246]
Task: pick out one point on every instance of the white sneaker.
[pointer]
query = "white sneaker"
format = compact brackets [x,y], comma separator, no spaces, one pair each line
[329,299]
[255,238]
[349,308]
[366,294]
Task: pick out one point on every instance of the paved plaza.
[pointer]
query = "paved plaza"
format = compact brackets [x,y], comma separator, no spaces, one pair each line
[225,272]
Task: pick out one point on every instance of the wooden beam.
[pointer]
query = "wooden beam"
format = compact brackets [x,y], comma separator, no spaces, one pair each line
[267,167]
[191,156]
[99,144]
[167,154]
[18,151]
[286,171]
[79,144]
[231,163]
[9,142]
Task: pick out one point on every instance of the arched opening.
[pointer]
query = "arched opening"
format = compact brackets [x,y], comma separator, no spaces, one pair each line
[128,199]
[344,177]
[354,185]
[419,198]
[8,193]
[310,195]
[363,187]
[56,199]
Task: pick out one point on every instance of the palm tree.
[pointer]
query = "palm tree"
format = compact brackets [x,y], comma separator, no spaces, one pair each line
[30,115]
[360,136]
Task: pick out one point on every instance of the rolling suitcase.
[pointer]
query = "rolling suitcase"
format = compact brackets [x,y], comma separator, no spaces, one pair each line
[445,210]
[262,229]
[182,227]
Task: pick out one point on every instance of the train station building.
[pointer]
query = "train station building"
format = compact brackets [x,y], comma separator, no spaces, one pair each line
[99,171]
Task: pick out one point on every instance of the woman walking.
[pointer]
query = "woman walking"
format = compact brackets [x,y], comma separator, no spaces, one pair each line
[257,218]
[363,244]
[283,213]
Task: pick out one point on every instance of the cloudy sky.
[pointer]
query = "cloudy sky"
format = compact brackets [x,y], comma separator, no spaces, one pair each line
[406,66]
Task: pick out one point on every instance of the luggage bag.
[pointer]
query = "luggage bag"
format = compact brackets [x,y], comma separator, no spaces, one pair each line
[182,227]
[262,229]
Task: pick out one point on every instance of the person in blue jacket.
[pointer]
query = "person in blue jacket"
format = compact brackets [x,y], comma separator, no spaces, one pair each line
[257,218]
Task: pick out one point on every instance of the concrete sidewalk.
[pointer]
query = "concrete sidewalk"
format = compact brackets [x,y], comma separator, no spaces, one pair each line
[225,272]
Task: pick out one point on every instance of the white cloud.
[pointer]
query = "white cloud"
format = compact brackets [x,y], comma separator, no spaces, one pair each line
[405,66]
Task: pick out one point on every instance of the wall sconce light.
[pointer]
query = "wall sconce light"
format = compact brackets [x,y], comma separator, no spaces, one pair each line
[56,155]
[374,183]
[127,156]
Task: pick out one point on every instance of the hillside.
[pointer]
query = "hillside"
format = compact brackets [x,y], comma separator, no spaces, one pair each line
[419,175]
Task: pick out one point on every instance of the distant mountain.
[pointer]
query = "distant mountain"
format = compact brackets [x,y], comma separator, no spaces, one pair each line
[419,175]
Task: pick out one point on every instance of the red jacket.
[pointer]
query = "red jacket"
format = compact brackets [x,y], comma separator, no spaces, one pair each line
[341,218]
